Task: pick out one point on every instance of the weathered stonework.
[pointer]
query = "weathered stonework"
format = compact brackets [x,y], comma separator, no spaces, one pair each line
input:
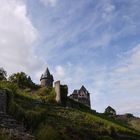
[81,96]
[14,129]
[46,79]
[58,92]
[61,93]
[3,101]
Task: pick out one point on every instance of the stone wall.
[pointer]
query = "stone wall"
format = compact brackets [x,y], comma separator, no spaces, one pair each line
[3,101]
[61,93]
[58,92]
[47,82]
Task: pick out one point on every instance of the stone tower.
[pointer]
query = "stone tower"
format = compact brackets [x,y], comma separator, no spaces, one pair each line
[58,91]
[46,79]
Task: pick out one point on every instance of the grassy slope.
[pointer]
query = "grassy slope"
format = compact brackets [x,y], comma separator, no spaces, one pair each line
[50,121]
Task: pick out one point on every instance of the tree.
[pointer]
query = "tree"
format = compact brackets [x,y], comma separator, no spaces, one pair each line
[22,80]
[110,111]
[3,74]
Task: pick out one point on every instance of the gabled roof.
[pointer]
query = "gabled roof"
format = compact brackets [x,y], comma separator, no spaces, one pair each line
[83,89]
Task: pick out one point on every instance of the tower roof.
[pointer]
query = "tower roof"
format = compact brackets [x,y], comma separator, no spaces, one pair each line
[46,74]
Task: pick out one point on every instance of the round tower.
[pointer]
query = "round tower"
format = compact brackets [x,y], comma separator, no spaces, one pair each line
[46,79]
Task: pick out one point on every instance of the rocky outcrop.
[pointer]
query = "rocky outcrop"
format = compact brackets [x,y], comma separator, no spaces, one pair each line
[3,101]
[8,125]
[13,128]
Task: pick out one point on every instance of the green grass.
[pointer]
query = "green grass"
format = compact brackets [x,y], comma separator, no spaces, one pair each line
[48,121]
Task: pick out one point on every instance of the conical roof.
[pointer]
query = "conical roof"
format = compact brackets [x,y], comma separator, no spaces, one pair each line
[46,74]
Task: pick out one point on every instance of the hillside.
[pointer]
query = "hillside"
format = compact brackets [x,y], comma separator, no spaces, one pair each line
[46,120]
[130,120]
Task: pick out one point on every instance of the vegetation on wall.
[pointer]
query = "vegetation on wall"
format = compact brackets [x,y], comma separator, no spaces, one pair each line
[64,92]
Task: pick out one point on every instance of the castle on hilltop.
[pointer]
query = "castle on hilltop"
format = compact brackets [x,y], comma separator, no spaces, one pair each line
[81,96]
[46,79]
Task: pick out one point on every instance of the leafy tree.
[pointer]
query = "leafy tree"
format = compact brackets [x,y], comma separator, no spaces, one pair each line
[3,74]
[22,80]
[110,111]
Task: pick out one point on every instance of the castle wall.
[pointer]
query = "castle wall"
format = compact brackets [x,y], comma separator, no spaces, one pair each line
[3,101]
[58,91]
[46,83]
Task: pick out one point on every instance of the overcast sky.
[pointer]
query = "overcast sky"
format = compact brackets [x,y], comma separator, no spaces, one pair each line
[95,43]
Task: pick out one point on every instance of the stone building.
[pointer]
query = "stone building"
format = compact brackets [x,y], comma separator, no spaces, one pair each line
[46,79]
[110,111]
[81,95]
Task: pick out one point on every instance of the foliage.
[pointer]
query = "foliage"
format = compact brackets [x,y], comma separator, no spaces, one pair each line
[47,133]
[37,110]
[3,74]
[8,86]
[77,105]
[64,92]
[22,80]
[47,95]
[4,135]
[49,121]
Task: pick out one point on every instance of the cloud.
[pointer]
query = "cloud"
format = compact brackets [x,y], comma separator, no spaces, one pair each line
[17,38]
[123,82]
[60,72]
[49,2]
[76,39]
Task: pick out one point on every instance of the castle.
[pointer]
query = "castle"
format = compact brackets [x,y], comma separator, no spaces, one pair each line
[82,95]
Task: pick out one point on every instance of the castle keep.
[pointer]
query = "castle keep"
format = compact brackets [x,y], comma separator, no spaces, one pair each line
[46,79]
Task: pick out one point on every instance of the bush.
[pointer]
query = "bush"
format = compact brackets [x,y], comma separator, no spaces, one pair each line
[64,92]
[47,133]
[3,74]
[22,80]
[47,95]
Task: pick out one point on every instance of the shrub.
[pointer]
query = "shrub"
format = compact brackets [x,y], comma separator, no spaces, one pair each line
[22,80]
[3,74]
[47,133]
